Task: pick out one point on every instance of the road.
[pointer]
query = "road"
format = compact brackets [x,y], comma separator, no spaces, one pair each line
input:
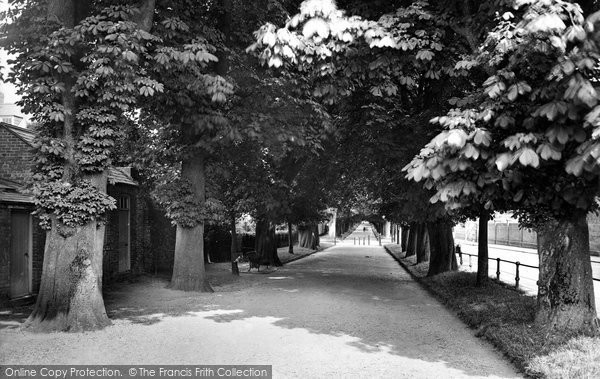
[528,276]
[349,311]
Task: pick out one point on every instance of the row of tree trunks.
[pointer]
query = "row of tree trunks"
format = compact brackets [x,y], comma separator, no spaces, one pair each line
[415,241]
[565,287]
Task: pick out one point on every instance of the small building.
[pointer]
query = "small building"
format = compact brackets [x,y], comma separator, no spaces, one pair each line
[22,239]
[10,113]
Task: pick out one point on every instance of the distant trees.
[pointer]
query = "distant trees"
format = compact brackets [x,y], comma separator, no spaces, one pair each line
[525,141]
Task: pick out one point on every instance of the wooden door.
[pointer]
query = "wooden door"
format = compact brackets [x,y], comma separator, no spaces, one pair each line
[20,253]
[124,234]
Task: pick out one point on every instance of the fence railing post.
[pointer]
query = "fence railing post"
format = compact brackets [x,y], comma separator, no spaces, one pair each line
[369,238]
[498,268]
[517,278]
[495,233]
[470,265]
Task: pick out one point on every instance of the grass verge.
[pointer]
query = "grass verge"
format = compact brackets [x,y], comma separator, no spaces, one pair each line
[505,317]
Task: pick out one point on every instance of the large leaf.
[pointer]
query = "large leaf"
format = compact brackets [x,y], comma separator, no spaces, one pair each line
[528,157]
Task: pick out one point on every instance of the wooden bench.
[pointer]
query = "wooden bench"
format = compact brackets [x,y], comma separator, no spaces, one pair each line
[253,259]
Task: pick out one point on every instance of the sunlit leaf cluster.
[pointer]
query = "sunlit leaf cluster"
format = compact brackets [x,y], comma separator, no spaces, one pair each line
[530,141]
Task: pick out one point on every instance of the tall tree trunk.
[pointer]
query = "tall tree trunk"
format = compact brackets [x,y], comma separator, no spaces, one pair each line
[266,243]
[442,258]
[423,249]
[411,245]
[482,251]
[188,266]
[234,246]
[404,234]
[308,237]
[565,287]
[290,238]
[70,295]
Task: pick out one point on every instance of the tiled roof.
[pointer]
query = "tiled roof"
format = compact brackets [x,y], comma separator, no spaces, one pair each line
[12,192]
[115,174]
[120,175]
[26,135]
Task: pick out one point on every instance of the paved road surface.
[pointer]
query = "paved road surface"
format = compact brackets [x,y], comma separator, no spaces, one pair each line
[349,311]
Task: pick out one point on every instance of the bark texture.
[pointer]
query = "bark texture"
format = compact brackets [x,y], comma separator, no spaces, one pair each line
[188,266]
[70,296]
[403,238]
[411,244]
[565,287]
[290,238]
[482,251]
[423,248]
[442,258]
[234,248]
[308,237]
[266,243]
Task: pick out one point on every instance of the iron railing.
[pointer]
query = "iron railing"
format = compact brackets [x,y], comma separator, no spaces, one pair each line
[517,264]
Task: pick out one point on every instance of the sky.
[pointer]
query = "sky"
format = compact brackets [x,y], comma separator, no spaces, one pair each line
[9,90]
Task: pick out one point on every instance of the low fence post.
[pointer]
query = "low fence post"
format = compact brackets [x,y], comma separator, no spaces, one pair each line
[498,268]
[380,240]
[470,265]
[517,278]
[369,238]
[354,238]
[459,251]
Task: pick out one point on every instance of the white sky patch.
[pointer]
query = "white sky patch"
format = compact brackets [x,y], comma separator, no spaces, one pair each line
[10,92]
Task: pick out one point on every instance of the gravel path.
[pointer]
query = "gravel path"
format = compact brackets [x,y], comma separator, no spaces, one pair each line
[349,311]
